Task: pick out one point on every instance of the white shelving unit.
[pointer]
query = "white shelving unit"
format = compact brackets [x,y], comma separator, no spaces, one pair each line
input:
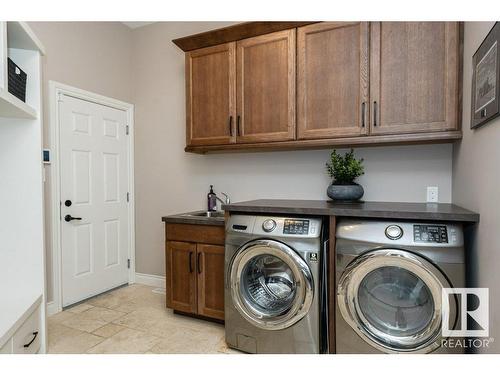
[12,107]
[22,266]
[16,37]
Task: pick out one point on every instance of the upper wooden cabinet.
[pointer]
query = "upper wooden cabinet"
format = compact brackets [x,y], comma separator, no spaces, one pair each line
[355,83]
[210,95]
[266,87]
[414,80]
[332,80]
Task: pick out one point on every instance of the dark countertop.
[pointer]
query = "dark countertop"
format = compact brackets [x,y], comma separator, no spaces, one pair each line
[197,220]
[390,210]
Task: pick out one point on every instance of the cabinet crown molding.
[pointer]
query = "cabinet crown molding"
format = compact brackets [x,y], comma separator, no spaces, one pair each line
[233,33]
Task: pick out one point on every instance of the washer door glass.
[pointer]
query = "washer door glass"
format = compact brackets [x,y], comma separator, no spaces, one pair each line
[395,301]
[268,283]
[392,300]
[271,285]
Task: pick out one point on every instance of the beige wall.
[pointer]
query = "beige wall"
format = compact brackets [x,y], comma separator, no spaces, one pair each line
[476,181]
[94,56]
[168,180]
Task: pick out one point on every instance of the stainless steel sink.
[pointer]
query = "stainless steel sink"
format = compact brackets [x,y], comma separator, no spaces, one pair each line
[206,214]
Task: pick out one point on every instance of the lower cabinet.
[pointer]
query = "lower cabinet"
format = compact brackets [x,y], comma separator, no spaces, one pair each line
[7,348]
[210,269]
[182,276]
[195,270]
[27,339]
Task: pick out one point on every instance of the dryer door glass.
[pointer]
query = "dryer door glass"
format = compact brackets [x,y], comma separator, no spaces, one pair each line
[395,301]
[271,285]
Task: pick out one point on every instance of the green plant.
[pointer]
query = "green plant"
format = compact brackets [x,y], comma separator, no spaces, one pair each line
[344,169]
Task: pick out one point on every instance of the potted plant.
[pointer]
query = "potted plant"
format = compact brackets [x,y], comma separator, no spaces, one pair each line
[344,170]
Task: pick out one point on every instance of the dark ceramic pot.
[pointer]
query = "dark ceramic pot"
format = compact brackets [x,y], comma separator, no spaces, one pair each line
[343,192]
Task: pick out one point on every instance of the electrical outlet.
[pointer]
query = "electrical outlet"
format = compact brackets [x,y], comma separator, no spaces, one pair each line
[432,194]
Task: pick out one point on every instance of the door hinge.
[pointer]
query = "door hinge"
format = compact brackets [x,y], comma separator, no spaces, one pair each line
[128,263]
[127,129]
[128,197]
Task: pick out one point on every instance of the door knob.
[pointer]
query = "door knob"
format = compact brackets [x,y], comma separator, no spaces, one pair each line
[68,218]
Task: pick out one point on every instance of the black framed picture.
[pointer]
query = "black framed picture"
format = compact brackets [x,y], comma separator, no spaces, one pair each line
[486,79]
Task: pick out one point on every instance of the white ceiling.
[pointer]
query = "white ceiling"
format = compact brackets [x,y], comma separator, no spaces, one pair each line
[135,25]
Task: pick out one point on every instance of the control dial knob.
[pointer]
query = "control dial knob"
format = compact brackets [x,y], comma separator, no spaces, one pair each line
[268,225]
[394,232]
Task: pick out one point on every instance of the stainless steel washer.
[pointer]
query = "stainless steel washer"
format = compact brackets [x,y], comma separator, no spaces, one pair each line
[273,272]
[390,277]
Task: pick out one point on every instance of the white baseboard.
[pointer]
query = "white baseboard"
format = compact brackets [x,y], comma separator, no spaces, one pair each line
[150,280]
[52,308]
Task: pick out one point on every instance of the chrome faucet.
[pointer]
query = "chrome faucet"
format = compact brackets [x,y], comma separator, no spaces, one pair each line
[227,199]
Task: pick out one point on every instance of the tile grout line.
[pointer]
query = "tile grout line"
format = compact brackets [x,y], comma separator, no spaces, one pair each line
[135,299]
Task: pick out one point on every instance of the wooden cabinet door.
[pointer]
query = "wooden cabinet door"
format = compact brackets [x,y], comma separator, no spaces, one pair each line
[211,95]
[181,276]
[266,88]
[210,268]
[414,77]
[332,80]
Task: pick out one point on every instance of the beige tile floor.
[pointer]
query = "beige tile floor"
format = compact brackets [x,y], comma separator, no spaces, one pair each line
[132,320]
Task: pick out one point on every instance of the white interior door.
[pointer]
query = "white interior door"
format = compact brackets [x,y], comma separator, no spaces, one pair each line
[94,162]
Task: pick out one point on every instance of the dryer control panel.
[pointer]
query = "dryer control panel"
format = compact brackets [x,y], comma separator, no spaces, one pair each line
[430,233]
[401,233]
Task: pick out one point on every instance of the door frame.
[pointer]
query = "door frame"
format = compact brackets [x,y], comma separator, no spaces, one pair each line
[56,90]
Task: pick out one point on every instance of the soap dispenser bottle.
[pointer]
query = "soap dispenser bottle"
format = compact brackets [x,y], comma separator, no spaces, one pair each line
[212,199]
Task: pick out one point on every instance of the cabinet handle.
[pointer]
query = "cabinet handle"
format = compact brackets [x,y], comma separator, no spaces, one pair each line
[35,334]
[375,113]
[238,132]
[231,126]
[363,110]
[198,265]
[190,262]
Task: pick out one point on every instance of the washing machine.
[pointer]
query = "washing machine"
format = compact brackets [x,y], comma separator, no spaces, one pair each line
[275,289]
[390,276]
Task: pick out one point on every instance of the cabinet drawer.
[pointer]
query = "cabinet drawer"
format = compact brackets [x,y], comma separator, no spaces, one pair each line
[209,234]
[28,333]
[7,348]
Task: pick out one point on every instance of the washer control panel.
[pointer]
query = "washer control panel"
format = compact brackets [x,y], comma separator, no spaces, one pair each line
[275,226]
[268,225]
[296,226]
[430,233]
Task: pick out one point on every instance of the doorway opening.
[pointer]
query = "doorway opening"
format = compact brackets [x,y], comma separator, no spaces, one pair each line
[92,195]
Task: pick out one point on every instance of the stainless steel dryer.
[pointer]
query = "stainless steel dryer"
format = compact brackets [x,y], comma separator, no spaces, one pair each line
[273,272]
[390,277]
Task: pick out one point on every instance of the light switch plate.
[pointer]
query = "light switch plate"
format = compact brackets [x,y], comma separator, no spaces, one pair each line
[432,194]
